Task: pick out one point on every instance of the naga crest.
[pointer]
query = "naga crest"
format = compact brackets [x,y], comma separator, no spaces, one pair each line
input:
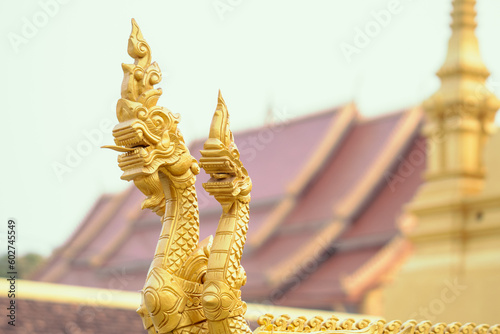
[221,159]
[147,134]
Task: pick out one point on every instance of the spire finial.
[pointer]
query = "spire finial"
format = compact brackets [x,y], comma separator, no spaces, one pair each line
[220,101]
[463,14]
[461,113]
[463,57]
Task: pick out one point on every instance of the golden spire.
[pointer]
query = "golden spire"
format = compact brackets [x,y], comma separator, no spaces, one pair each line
[461,113]
[463,62]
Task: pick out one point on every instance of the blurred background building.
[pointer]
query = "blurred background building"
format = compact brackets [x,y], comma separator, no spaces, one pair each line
[323,223]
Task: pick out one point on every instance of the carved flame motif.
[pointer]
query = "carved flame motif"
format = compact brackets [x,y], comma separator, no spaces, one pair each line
[194,287]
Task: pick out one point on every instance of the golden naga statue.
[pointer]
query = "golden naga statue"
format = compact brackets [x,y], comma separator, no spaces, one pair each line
[191,286]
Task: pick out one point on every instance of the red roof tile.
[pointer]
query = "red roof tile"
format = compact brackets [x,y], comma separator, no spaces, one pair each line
[126,212]
[362,146]
[274,157]
[322,288]
[381,214]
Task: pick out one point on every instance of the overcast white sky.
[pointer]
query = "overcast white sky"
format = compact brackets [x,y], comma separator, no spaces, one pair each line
[62,79]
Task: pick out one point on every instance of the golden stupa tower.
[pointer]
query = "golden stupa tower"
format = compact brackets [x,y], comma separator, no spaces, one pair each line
[455,269]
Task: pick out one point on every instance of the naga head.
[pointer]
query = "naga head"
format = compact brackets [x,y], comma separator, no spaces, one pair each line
[147,134]
[221,159]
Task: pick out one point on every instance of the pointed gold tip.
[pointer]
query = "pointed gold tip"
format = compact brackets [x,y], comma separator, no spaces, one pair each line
[463,54]
[137,47]
[220,121]
[220,101]
[135,28]
[136,31]
[118,148]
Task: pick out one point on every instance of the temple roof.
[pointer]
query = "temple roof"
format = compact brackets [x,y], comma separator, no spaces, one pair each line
[327,198]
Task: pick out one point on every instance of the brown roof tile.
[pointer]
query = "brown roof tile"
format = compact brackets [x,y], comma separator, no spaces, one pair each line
[322,288]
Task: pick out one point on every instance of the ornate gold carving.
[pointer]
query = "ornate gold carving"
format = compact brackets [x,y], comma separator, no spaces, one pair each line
[157,159]
[188,282]
[194,287]
[284,324]
[230,185]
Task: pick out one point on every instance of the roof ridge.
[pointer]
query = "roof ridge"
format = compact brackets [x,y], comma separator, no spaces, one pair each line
[68,250]
[298,119]
[389,255]
[367,119]
[118,239]
[403,132]
[338,129]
